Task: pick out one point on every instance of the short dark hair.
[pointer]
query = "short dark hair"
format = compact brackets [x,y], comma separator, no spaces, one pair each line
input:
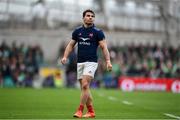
[88,10]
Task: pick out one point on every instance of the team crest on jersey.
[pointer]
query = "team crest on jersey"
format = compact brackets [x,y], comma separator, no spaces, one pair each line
[80,34]
[90,34]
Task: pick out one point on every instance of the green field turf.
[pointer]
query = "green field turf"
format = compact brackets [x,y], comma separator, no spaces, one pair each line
[23,103]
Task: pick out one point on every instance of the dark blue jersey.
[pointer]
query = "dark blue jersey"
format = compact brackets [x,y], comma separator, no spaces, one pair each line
[88,42]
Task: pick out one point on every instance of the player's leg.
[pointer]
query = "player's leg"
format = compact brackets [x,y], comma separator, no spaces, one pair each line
[89,100]
[80,67]
[85,94]
[85,75]
[85,91]
[90,69]
[90,109]
[86,97]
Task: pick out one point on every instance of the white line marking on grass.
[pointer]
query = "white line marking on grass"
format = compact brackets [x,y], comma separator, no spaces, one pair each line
[126,102]
[171,115]
[101,94]
[112,98]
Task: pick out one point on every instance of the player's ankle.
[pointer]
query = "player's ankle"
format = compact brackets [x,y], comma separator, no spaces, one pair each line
[90,108]
[81,107]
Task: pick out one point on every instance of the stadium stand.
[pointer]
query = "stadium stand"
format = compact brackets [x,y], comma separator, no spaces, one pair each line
[19,64]
[144,41]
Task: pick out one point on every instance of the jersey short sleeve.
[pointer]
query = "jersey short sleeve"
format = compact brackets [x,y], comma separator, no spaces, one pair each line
[74,35]
[100,35]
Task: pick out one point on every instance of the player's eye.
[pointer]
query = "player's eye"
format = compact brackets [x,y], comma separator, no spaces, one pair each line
[90,15]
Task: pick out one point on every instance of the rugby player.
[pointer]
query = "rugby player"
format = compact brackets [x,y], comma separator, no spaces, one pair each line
[87,37]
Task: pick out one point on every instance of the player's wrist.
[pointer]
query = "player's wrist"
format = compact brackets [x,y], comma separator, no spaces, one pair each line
[64,57]
[108,61]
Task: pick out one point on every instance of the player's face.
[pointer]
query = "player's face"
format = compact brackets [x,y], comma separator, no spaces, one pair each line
[89,18]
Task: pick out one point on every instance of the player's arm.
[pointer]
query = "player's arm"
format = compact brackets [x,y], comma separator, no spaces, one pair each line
[103,46]
[68,50]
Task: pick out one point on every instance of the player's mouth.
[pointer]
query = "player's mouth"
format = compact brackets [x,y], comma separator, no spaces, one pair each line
[90,21]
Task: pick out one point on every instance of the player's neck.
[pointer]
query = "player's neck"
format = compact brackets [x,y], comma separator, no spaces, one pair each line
[88,25]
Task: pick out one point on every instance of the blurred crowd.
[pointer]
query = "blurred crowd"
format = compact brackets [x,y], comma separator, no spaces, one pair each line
[131,60]
[19,64]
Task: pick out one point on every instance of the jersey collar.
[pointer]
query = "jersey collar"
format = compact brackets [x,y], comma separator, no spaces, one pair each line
[88,27]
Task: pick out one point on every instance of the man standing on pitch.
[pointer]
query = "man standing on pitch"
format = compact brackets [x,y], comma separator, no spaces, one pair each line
[88,38]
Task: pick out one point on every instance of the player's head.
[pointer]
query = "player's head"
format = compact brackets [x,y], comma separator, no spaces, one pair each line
[88,17]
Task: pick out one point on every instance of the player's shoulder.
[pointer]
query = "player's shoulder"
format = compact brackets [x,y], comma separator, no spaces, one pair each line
[97,29]
[78,28]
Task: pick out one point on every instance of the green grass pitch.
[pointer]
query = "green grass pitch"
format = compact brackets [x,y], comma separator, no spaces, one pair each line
[27,103]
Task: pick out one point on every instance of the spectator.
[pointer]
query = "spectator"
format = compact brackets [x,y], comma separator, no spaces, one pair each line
[139,60]
[19,65]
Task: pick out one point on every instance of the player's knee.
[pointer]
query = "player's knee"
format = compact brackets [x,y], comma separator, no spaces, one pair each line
[85,86]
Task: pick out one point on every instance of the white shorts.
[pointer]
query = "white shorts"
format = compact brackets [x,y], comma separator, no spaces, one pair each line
[86,68]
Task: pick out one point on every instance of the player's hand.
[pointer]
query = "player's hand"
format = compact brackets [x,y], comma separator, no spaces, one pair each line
[63,60]
[109,65]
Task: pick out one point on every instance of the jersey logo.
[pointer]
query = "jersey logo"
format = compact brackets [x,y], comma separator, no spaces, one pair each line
[84,39]
[91,35]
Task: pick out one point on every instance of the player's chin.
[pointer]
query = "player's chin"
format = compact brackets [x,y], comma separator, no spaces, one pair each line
[89,23]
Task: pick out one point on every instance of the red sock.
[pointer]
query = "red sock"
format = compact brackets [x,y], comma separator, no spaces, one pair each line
[90,108]
[81,107]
